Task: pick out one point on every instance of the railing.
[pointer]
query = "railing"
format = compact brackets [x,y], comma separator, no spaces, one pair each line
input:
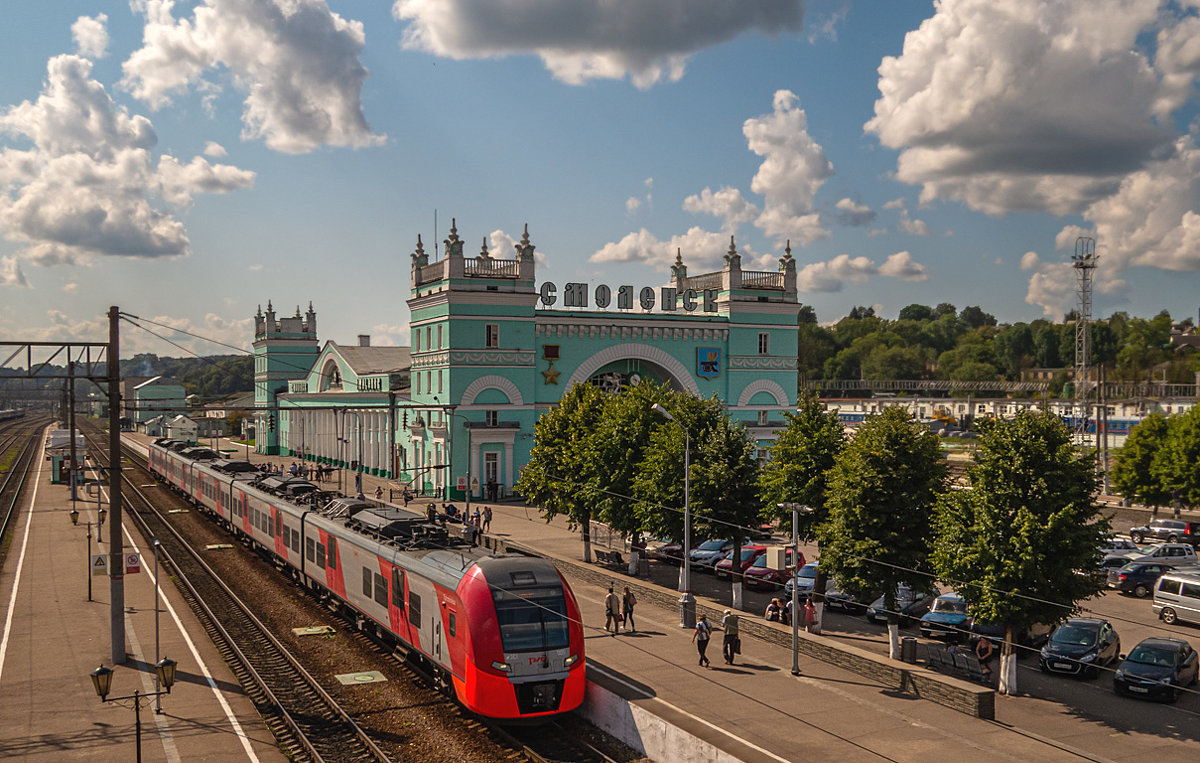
[430,272]
[703,281]
[479,267]
[762,279]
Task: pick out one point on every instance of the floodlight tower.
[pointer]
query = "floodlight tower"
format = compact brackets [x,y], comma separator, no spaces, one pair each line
[1084,262]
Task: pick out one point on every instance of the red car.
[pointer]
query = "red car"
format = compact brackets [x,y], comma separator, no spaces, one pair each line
[759,575]
[750,555]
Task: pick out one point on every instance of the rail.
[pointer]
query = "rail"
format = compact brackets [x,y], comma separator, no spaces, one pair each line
[762,279]
[703,281]
[313,719]
[480,267]
[18,467]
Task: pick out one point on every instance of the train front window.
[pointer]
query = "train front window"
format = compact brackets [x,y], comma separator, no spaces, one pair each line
[531,620]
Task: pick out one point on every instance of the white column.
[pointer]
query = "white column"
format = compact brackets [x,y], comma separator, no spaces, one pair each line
[508,465]
[476,473]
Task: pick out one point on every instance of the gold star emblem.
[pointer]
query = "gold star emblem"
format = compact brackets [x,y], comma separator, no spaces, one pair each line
[550,374]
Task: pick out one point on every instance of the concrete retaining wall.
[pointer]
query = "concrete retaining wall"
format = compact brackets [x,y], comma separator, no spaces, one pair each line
[652,736]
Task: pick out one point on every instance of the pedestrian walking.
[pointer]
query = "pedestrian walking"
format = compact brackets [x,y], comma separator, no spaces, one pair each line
[628,601]
[477,518]
[774,611]
[810,615]
[701,636]
[378,492]
[487,518]
[732,643]
[612,612]
[492,489]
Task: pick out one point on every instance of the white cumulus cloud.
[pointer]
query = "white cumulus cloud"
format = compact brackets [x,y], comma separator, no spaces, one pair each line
[849,212]
[583,40]
[833,275]
[11,273]
[91,35]
[702,250]
[915,227]
[794,167]
[632,204]
[901,265]
[1025,104]
[88,184]
[295,60]
[726,204]
[213,148]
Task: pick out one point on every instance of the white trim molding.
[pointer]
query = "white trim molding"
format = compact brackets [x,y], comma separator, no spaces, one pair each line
[492,381]
[772,388]
[629,351]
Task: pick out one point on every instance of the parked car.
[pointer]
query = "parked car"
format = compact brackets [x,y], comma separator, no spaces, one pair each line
[1138,578]
[669,551]
[1177,597]
[1170,530]
[1080,646]
[804,580]
[707,554]
[946,618]
[910,603]
[750,555]
[759,575]
[1175,553]
[1117,545]
[836,598]
[1156,668]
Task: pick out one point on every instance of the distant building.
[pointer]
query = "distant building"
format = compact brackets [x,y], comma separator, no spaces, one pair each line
[155,396]
[181,428]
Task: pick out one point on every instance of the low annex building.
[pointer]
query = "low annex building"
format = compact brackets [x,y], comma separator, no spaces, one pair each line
[491,350]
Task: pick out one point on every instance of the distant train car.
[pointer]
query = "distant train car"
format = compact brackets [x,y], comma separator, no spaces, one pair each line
[503,632]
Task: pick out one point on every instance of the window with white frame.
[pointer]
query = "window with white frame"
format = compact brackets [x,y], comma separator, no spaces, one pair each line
[762,418]
[492,335]
[439,381]
[764,343]
[491,418]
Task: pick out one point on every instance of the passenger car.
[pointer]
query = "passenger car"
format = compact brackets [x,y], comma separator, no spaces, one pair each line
[707,554]
[1115,545]
[1170,530]
[1174,553]
[759,575]
[670,551]
[910,603]
[1156,667]
[1177,597]
[750,555]
[947,618]
[836,597]
[804,580]
[1080,646]
[1138,578]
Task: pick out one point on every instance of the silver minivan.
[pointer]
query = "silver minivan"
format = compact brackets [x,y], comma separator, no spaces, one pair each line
[1177,597]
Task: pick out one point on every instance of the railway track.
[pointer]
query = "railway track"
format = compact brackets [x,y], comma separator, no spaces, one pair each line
[556,742]
[308,723]
[19,442]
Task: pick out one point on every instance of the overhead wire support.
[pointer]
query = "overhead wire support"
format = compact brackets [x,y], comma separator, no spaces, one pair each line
[1084,263]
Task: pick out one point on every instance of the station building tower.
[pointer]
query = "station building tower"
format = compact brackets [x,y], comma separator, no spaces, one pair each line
[284,349]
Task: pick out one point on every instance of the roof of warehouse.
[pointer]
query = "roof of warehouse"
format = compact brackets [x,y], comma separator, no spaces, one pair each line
[374,360]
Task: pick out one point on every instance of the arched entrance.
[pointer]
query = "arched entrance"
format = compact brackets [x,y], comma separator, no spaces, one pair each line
[620,362]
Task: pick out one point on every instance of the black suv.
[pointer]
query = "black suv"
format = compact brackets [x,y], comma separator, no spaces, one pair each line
[1138,578]
[1170,530]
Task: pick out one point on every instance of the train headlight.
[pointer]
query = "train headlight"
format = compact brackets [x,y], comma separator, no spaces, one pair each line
[502,666]
[570,660]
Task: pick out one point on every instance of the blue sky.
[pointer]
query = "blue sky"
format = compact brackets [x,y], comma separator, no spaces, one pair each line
[189,161]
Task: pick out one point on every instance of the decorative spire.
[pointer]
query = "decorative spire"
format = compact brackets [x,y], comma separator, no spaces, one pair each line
[298,311]
[483,252]
[786,263]
[269,308]
[310,307]
[733,260]
[678,270]
[259,313]
[525,249]
[419,257]
[454,246]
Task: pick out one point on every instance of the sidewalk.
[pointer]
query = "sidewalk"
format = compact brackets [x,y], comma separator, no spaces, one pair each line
[53,637]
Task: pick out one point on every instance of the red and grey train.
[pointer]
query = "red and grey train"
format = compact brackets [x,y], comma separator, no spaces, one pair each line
[502,630]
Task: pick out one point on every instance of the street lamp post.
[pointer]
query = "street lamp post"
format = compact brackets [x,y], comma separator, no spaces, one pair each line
[687,604]
[158,697]
[164,673]
[797,509]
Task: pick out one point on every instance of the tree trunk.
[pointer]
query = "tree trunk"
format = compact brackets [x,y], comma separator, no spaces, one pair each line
[587,540]
[735,571]
[893,636]
[634,553]
[1008,663]
[819,606]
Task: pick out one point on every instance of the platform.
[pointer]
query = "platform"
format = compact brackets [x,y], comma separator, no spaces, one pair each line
[53,637]
[756,710]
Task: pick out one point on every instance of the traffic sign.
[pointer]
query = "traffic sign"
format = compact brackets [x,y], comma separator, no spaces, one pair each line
[133,564]
[462,483]
[100,564]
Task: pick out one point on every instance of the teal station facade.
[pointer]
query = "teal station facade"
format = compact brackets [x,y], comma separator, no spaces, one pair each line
[492,349]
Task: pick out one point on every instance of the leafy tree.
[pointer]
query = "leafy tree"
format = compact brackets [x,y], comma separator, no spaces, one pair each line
[815,346]
[881,494]
[893,363]
[1132,472]
[858,313]
[1046,345]
[1177,462]
[617,448]
[945,308]
[798,470]
[1022,533]
[975,317]
[1013,348]
[915,312]
[942,334]
[806,314]
[558,461]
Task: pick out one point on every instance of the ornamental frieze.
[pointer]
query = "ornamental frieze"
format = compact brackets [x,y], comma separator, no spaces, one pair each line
[491,358]
[762,362]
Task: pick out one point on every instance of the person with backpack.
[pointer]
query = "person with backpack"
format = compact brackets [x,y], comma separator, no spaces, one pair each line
[628,601]
[700,637]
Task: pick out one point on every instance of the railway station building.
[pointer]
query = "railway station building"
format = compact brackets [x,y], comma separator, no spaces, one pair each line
[492,349]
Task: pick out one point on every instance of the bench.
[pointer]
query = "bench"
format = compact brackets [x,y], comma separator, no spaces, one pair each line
[609,558]
[954,662]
